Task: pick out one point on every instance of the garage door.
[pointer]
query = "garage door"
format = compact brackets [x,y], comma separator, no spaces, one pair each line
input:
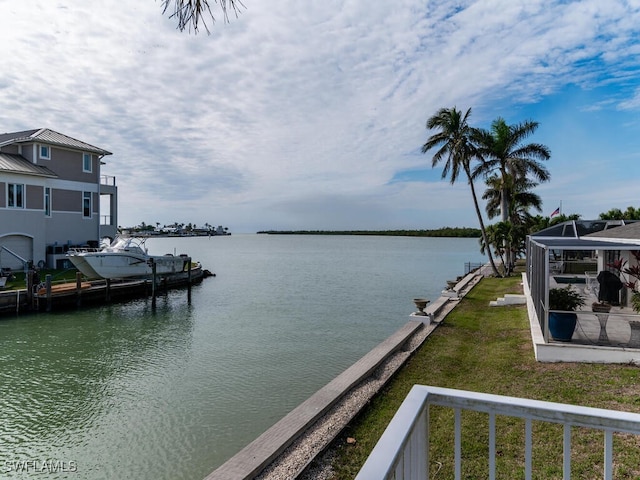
[18,244]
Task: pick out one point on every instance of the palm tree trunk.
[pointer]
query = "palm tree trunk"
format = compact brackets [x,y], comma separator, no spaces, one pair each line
[482,229]
[504,214]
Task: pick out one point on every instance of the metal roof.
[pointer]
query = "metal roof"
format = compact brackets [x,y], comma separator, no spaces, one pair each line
[626,232]
[581,228]
[50,137]
[6,138]
[18,164]
[584,243]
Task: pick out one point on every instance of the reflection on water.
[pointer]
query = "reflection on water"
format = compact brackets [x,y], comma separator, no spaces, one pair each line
[128,391]
[70,377]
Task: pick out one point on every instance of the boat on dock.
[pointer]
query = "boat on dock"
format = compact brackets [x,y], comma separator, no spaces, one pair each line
[118,271]
[96,292]
[125,257]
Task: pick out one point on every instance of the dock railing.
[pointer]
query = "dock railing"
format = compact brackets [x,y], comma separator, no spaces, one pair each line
[402,453]
[471,266]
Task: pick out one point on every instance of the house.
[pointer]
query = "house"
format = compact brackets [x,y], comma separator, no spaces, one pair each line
[51,192]
[577,253]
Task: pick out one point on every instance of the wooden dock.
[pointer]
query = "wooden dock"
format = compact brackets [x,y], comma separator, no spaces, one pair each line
[54,296]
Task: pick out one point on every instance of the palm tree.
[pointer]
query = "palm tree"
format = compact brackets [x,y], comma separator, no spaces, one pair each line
[497,236]
[190,13]
[501,150]
[522,198]
[630,213]
[455,147]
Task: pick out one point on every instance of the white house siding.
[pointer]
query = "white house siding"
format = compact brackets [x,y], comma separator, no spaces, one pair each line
[71,228]
[21,245]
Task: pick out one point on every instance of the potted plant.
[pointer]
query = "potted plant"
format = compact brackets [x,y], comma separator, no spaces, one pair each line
[562,322]
[634,273]
[635,302]
[632,278]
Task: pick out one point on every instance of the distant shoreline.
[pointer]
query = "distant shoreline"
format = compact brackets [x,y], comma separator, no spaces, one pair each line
[461,232]
[175,235]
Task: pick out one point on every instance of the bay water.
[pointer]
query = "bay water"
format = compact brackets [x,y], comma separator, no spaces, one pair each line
[129,391]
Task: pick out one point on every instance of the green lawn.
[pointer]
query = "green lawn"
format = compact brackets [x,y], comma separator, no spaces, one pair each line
[489,350]
[18,281]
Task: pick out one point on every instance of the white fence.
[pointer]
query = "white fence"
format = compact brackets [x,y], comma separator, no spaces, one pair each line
[402,453]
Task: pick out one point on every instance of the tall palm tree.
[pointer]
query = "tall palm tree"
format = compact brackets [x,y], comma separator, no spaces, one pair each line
[501,151]
[456,149]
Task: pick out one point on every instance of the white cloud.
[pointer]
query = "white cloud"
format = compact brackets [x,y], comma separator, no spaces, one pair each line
[632,103]
[296,113]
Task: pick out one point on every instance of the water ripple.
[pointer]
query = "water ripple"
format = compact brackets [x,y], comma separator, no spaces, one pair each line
[128,391]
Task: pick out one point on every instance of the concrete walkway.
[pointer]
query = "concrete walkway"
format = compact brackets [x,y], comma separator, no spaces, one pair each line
[283,447]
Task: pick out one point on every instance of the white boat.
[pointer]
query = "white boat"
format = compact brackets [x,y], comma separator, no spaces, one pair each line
[125,257]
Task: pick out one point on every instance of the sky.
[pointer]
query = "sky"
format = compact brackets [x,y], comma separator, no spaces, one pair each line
[311,115]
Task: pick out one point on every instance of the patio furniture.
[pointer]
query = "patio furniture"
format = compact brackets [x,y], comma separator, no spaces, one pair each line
[610,286]
[591,283]
[602,319]
[634,340]
[556,267]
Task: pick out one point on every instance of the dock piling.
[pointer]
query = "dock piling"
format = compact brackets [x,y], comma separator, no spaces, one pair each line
[30,296]
[47,282]
[189,280]
[153,283]
[78,289]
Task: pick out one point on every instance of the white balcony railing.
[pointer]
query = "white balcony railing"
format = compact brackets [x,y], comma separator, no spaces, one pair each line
[402,451]
[108,180]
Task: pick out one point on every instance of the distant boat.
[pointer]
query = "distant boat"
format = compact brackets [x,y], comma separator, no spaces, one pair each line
[125,257]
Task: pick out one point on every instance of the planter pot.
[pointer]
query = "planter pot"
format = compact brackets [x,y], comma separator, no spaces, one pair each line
[421,304]
[600,307]
[562,325]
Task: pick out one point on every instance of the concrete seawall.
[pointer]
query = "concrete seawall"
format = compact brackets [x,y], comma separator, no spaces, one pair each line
[286,449]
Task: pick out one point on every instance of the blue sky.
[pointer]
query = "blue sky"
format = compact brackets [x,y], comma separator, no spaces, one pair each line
[311,115]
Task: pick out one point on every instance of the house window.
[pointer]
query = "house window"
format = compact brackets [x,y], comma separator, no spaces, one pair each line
[15,195]
[45,152]
[86,162]
[47,202]
[86,204]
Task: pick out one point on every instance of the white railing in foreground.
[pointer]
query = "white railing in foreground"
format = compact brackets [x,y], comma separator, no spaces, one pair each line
[402,451]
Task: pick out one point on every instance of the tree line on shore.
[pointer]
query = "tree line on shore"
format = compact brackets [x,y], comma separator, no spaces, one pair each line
[175,228]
